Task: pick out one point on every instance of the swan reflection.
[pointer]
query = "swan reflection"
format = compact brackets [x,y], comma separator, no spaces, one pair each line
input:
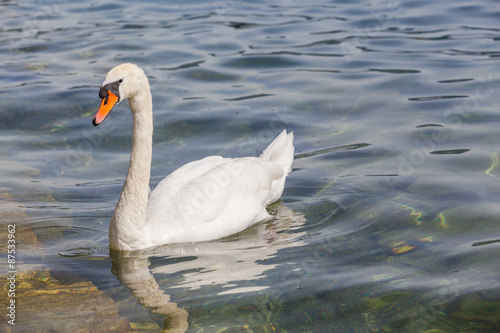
[224,262]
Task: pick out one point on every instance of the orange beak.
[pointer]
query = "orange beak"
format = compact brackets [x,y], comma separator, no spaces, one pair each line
[106,106]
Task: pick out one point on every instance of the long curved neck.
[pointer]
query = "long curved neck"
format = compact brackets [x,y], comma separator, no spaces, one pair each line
[126,231]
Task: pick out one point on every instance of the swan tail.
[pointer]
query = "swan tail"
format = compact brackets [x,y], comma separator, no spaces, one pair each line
[281,151]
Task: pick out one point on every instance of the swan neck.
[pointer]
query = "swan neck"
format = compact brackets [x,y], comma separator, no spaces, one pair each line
[127,225]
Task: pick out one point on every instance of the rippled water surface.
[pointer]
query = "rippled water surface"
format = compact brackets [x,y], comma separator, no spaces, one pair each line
[389,221]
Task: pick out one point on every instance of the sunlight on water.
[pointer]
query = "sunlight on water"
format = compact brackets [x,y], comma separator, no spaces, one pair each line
[388,221]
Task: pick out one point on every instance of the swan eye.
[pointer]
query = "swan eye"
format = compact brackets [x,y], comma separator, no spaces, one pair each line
[120,80]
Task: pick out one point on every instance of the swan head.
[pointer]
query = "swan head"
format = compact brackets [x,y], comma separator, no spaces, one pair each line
[125,81]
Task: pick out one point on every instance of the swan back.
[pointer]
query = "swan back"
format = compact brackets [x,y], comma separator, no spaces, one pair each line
[216,197]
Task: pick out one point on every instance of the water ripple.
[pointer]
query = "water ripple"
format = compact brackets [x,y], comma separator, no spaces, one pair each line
[77,252]
[434,98]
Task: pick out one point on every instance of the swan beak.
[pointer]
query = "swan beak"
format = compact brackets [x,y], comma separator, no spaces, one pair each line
[106,105]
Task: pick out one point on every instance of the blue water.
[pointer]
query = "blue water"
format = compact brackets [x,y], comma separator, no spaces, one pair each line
[389,221]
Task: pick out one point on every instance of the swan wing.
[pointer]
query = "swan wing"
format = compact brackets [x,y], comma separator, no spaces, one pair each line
[213,198]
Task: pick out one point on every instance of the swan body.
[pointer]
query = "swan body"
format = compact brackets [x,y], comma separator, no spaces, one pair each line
[203,200]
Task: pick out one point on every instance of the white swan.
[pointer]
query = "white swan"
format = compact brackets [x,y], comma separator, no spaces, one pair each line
[202,200]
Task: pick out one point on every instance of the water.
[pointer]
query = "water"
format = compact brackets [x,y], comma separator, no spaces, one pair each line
[388,222]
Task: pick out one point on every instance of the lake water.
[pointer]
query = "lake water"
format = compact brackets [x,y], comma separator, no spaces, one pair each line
[389,221]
